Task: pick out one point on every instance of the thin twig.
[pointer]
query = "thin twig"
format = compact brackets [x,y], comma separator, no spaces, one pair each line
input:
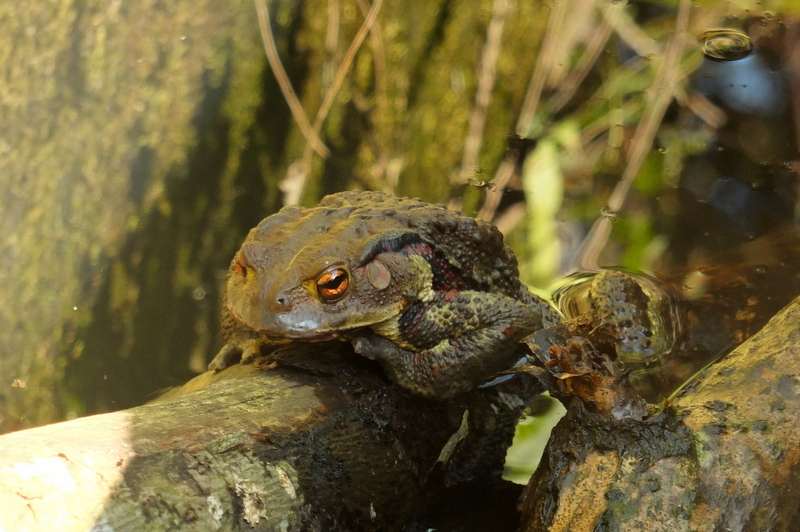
[661,93]
[502,176]
[311,135]
[542,69]
[483,94]
[330,96]
[380,169]
[292,185]
[594,47]
[331,41]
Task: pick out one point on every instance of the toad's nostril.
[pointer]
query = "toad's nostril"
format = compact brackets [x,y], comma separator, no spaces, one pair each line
[281,303]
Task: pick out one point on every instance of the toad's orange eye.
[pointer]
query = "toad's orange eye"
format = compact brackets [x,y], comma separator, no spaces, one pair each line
[333,284]
[240,265]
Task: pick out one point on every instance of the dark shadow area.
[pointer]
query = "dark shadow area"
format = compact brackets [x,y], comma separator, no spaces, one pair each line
[134,348]
[263,159]
[138,344]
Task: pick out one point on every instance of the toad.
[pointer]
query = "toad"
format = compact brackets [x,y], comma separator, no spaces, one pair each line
[433,295]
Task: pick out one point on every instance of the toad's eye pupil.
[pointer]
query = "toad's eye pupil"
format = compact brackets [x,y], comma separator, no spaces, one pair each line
[332,284]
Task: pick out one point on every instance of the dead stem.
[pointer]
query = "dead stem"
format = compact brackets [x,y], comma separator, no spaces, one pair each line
[603,123]
[331,42]
[483,95]
[381,167]
[378,52]
[659,96]
[543,67]
[704,108]
[594,47]
[292,185]
[322,113]
[502,176]
[632,35]
[274,59]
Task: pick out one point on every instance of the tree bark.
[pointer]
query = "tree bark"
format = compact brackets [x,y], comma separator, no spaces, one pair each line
[320,445]
[721,455]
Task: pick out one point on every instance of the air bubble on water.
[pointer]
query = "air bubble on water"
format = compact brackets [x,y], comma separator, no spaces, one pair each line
[726,45]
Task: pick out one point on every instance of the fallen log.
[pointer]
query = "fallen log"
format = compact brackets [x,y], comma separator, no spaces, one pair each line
[323,445]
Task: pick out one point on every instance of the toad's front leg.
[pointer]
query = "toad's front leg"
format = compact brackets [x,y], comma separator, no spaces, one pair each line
[452,343]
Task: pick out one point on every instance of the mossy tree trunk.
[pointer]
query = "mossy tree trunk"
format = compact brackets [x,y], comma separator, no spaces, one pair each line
[141,141]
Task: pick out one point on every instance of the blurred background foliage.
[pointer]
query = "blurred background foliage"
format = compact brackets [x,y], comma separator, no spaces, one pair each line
[141,141]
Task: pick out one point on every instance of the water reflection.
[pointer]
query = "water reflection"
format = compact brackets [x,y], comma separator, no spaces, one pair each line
[732,239]
[746,84]
[643,314]
[739,186]
[668,327]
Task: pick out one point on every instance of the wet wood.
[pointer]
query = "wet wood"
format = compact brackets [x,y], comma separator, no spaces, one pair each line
[721,456]
[326,446]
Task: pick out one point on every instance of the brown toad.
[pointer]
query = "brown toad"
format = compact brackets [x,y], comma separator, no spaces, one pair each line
[431,294]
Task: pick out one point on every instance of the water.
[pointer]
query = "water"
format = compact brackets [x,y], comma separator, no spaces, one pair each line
[674,127]
[690,319]
[706,217]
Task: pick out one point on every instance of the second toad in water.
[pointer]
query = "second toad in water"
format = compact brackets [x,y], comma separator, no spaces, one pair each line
[431,294]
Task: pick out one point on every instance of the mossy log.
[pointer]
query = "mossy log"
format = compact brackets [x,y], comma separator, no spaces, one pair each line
[722,455]
[326,446]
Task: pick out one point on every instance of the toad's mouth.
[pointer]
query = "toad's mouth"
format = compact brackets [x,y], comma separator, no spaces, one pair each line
[306,336]
[277,327]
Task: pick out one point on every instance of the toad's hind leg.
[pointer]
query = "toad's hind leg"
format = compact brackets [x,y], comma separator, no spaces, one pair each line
[453,343]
